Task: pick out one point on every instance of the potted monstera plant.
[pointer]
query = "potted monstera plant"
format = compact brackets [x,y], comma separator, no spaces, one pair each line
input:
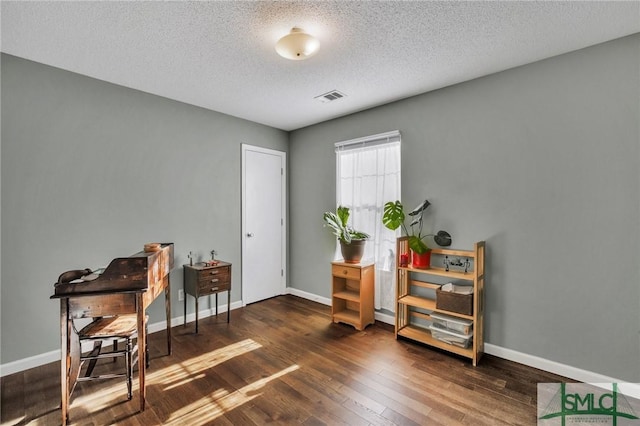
[351,241]
[393,217]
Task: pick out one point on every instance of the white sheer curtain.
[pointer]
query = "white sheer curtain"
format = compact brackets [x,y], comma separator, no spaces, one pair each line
[368,175]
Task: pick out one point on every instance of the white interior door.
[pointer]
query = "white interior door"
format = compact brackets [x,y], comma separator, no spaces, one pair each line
[263,223]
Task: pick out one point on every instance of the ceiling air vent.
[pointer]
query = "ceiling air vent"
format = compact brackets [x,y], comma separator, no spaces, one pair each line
[333,95]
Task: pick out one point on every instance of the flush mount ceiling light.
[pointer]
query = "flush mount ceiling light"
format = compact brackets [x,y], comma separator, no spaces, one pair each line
[297,45]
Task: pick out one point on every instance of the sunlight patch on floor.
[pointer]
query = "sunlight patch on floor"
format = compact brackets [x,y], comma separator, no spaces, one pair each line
[15,421]
[212,406]
[185,381]
[192,368]
[171,376]
[96,401]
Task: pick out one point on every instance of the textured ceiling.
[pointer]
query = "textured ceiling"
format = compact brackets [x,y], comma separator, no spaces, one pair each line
[220,55]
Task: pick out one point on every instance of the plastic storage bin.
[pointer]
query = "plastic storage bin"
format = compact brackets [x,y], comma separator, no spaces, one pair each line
[451,323]
[450,337]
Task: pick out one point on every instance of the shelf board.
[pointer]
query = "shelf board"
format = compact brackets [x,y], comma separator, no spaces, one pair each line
[448,252]
[353,296]
[455,314]
[469,276]
[418,302]
[348,316]
[422,335]
[425,284]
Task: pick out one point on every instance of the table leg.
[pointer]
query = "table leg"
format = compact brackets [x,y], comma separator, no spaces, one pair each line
[167,308]
[216,304]
[228,304]
[197,314]
[184,295]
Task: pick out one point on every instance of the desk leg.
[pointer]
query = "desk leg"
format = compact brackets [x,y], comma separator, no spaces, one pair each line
[228,304]
[167,308]
[64,359]
[216,305]
[142,349]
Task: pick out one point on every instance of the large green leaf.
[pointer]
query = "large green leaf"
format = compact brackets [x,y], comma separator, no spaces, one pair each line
[393,215]
[343,214]
[333,222]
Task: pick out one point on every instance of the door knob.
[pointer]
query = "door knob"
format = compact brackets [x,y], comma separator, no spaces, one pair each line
[249,234]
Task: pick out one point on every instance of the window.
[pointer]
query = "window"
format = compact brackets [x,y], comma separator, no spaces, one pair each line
[368,175]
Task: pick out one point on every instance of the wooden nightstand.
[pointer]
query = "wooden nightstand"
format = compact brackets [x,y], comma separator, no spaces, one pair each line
[200,280]
[352,293]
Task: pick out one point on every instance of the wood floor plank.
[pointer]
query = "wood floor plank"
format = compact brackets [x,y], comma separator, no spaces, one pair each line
[12,389]
[282,361]
[367,414]
[339,389]
[321,405]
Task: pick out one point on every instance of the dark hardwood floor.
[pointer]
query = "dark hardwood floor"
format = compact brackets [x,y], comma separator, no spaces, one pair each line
[282,361]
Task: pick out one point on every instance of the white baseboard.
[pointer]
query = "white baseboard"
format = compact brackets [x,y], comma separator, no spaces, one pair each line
[27,363]
[585,376]
[385,318]
[162,325]
[509,354]
[564,370]
[309,296]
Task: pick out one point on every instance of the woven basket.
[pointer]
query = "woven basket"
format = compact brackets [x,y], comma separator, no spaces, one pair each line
[454,302]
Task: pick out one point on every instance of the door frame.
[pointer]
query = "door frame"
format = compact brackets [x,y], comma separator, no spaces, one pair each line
[283,229]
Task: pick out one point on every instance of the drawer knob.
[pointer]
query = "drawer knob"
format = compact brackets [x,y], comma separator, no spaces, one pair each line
[214,280]
[214,289]
[214,272]
[345,272]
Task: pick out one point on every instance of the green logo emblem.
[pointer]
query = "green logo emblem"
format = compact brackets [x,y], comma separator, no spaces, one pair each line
[592,404]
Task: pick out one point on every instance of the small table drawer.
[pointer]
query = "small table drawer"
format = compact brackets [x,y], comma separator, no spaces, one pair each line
[219,275]
[212,287]
[224,270]
[352,273]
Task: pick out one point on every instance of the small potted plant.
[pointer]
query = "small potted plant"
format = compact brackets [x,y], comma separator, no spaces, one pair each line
[351,241]
[393,217]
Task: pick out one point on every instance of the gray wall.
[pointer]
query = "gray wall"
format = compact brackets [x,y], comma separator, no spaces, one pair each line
[92,171]
[542,162]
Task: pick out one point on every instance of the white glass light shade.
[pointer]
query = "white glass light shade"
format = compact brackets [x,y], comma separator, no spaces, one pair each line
[297,45]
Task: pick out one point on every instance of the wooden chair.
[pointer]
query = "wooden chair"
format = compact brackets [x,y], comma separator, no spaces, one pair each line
[114,329]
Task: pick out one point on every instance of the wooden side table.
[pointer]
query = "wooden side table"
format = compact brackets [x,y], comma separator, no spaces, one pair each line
[352,288]
[201,280]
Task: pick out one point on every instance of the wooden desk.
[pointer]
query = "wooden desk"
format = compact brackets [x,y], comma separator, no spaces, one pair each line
[128,285]
[201,280]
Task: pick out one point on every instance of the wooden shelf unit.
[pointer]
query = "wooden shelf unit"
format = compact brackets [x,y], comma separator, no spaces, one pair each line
[352,294]
[414,308]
